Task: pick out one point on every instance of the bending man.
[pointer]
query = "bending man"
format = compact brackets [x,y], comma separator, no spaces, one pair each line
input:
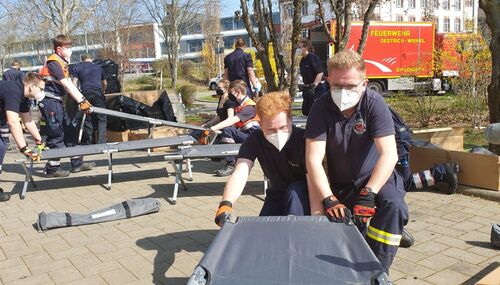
[279,146]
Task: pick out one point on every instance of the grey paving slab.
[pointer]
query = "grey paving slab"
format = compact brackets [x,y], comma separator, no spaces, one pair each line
[451,232]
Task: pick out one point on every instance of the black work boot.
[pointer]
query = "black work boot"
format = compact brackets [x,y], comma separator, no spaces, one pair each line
[4,196]
[226,170]
[407,239]
[57,172]
[85,166]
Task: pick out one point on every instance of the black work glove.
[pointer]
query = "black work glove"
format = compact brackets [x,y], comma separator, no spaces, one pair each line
[364,208]
[335,211]
[311,88]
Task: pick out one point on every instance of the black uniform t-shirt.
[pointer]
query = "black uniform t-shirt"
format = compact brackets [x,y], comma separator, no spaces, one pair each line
[13,74]
[12,97]
[90,76]
[350,151]
[281,167]
[229,104]
[310,66]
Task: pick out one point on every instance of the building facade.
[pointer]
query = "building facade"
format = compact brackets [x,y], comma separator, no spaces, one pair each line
[454,16]
[142,44]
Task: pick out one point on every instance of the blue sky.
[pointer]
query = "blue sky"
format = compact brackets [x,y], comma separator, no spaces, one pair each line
[228,7]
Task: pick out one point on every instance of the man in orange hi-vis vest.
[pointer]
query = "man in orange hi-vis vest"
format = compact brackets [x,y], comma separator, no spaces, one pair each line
[61,132]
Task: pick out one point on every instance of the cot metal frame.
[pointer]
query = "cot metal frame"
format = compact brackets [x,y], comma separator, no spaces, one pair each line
[107,149]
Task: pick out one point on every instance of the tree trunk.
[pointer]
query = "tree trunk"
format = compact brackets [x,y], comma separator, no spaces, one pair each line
[294,70]
[366,23]
[492,10]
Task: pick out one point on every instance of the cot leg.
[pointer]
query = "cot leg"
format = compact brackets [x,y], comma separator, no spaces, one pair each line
[265,185]
[28,177]
[189,168]
[177,165]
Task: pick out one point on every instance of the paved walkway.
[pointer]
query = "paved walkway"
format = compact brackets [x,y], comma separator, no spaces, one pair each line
[452,232]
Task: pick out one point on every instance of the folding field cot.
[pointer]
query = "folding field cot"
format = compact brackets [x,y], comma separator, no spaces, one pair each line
[107,149]
[288,250]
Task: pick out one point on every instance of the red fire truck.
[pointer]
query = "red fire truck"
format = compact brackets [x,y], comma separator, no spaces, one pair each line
[398,55]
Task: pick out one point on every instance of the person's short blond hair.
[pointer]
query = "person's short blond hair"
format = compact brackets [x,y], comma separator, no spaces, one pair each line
[224,83]
[238,85]
[32,78]
[347,59]
[273,103]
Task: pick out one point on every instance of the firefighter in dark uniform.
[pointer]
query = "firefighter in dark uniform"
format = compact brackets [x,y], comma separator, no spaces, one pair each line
[237,128]
[354,128]
[14,103]
[311,71]
[61,130]
[93,86]
[13,74]
[238,65]
[280,148]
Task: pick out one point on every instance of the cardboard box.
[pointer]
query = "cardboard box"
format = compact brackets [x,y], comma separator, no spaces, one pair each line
[447,138]
[113,136]
[158,132]
[477,170]
[493,278]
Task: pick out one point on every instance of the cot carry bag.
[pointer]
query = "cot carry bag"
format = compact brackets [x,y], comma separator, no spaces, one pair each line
[288,250]
[127,209]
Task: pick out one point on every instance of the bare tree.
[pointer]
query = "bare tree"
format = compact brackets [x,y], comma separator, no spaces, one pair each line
[173,18]
[264,39]
[112,28]
[343,13]
[210,25]
[65,16]
[296,24]
[491,9]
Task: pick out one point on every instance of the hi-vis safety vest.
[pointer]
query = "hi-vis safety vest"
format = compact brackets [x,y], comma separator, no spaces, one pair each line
[45,70]
[253,122]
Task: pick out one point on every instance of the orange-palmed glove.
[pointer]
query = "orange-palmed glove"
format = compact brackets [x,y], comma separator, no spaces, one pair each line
[223,213]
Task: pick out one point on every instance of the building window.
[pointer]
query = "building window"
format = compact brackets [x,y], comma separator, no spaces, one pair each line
[227,24]
[436,4]
[399,3]
[412,19]
[458,5]
[305,8]
[468,3]
[423,4]
[446,24]
[399,18]
[411,4]
[436,20]
[458,25]
[446,4]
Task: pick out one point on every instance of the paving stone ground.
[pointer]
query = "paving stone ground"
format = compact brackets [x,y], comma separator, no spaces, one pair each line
[452,232]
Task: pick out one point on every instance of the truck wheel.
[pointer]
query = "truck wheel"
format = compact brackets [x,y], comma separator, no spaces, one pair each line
[376,86]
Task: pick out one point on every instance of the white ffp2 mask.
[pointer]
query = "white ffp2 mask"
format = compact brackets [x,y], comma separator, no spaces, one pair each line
[39,96]
[279,139]
[345,99]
